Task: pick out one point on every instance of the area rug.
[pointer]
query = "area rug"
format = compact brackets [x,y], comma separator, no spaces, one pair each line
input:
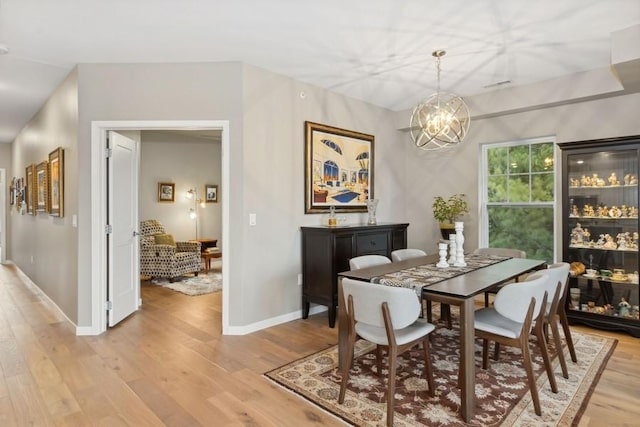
[196,285]
[502,395]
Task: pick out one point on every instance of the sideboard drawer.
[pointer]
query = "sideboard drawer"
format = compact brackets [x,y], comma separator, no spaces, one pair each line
[371,243]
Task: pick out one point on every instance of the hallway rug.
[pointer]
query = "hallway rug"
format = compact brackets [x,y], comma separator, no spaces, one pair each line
[502,395]
[193,285]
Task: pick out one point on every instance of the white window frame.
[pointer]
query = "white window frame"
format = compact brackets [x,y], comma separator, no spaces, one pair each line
[483,223]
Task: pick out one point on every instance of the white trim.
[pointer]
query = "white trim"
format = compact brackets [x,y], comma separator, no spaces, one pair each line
[483,233]
[99,202]
[274,321]
[3,216]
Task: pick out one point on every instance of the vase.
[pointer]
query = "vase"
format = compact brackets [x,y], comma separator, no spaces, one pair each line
[446,228]
[372,204]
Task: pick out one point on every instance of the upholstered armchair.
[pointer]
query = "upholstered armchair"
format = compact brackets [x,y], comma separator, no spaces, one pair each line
[161,256]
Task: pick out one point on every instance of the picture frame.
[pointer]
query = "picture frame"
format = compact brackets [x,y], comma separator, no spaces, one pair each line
[30,189]
[56,182]
[166,192]
[211,193]
[339,169]
[42,187]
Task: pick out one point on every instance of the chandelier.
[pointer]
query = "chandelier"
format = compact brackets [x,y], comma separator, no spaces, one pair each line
[440,121]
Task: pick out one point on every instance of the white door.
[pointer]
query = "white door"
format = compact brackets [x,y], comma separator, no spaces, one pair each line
[122,188]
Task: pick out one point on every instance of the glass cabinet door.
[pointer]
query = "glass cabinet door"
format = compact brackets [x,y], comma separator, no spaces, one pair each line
[601,235]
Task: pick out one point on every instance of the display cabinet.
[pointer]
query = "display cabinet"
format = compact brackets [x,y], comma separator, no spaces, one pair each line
[600,232]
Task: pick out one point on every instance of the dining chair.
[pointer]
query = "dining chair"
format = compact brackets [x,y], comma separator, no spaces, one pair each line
[556,312]
[513,253]
[445,309]
[388,317]
[364,261]
[402,254]
[509,322]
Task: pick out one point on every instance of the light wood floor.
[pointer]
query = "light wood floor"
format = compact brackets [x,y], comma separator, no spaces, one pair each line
[169,365]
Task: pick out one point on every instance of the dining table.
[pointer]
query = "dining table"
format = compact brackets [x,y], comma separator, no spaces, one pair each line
[452,285]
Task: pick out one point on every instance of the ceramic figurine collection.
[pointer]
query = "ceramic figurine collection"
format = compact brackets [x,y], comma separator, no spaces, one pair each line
[595,181]
[581,237]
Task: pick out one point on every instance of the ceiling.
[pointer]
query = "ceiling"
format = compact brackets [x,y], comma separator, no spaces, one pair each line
[375,50]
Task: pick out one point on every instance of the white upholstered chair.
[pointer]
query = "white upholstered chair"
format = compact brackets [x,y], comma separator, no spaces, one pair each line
[364,261]
[509,322]
[559,276]
[388,317]
[402,254]
[513,253]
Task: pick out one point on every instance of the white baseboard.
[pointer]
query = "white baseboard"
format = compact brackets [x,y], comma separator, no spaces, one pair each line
[274,321]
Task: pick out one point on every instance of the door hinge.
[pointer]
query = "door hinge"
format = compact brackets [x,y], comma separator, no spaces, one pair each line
[108,305]
[108,229]
[108,152]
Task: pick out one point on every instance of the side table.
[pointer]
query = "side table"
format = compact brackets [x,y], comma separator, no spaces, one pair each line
[208,255]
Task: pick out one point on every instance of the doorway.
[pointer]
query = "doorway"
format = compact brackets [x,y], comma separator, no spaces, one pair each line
[100,201]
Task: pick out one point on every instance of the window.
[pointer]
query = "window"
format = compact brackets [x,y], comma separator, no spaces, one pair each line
[518,197]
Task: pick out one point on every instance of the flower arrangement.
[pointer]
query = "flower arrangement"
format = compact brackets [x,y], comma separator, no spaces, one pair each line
[450,210]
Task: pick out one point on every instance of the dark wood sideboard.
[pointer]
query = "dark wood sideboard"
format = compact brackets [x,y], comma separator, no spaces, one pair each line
[326,251]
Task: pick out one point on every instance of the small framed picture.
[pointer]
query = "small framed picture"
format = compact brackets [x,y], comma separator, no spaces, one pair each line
[29,189]
[166,192]
[42,187]
[56,182]
[211,193]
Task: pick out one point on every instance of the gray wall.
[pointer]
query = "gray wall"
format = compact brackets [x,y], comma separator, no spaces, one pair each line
[458,171]
[266,115]
[45,247]
[188,162]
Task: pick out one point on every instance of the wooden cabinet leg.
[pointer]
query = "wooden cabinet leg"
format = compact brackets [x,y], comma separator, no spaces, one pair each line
[305,309]
[332,316]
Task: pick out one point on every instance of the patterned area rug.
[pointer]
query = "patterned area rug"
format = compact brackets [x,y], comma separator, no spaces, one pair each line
[193,285]
[502,396]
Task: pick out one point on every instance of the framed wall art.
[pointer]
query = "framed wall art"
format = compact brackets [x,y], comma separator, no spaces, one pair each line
[338,169]
[30,189]
[166,192]
[211,193]
[56,182]
[42,187]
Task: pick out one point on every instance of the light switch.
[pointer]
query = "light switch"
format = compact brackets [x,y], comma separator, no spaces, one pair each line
[252,219]
[74,220]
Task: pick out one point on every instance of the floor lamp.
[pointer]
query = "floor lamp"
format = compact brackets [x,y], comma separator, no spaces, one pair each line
[197,202]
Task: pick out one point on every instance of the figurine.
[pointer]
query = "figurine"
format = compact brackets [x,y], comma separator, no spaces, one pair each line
[613,179]
[587,210]
[574,182]
[574,211]
[609,243]
[602,211]
[614,212]
[623,308]
[585,181]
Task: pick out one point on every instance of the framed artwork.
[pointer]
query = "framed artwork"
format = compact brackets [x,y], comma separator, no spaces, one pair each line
[42,187]
[166,191]
[30,189]
[56,182]
[338,169]
[12,191]
[211,193]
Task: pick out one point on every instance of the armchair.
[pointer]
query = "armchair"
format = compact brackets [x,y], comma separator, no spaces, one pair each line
[161,256]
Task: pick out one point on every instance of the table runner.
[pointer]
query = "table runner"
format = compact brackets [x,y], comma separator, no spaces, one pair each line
[418,277]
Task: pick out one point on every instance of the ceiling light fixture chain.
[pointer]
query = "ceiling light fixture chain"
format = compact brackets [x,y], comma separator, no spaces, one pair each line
[442,120]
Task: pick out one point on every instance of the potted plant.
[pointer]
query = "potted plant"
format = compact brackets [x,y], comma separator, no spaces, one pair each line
[447,212]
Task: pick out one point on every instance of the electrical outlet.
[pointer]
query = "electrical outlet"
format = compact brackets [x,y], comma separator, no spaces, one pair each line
[252,219]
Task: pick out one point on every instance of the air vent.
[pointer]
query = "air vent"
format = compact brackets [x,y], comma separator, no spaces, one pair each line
[504,82]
